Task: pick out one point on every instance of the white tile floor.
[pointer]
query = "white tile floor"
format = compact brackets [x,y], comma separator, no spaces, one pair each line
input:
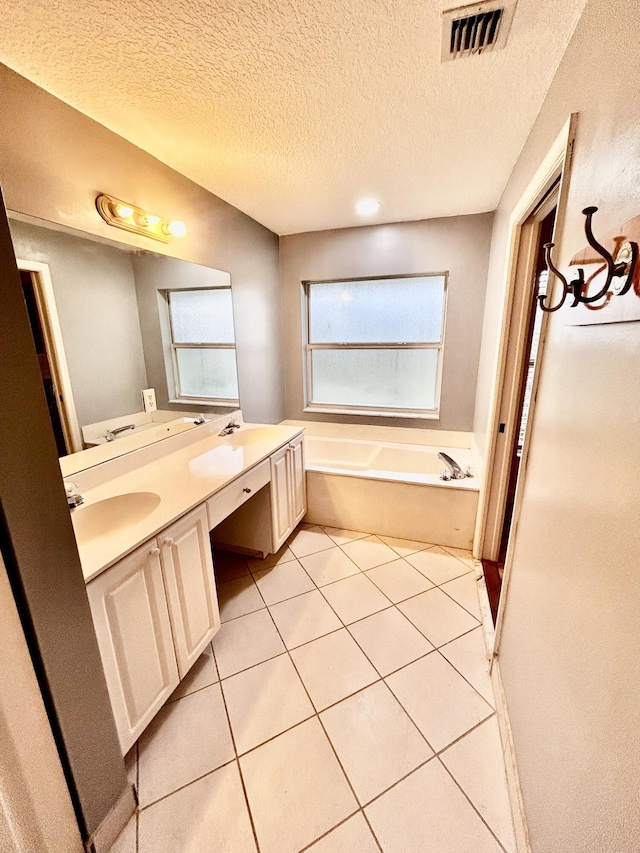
[345,708]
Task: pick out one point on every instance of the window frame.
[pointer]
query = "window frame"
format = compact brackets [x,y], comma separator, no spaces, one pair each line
[378,411]
[174,347]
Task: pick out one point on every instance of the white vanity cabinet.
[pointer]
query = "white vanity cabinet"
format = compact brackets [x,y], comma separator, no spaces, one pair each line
[288,490]
[156,610]
[154,613]
[189,580]
[131,617]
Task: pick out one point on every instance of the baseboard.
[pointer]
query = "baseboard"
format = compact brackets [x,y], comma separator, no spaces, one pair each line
[106,834]
[513,779]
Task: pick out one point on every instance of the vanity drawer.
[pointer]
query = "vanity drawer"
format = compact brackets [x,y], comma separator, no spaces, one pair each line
[234,495]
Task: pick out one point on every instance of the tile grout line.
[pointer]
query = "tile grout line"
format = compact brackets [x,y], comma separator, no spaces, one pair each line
[364,572]
[137,812]
[471,803]
[463,736]
[382,679]
[329,831]
[435,753]
[399,781]
[317,715]
[392,605]
[346,627]
[239,768]
[316,711]
[186,785]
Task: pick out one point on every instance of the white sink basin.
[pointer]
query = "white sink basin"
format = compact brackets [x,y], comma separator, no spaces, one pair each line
[113,514]
[252,435]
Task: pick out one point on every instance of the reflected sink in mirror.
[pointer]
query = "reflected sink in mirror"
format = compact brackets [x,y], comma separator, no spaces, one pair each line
[252,435]
[111,515]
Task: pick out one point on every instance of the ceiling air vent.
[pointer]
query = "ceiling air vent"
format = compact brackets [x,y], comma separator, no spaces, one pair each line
[471,30]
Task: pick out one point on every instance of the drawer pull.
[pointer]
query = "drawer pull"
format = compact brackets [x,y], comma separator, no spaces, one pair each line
[154,551]
[168,541]
[247,490]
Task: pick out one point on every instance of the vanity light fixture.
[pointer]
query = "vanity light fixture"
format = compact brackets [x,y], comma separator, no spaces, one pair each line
[130,218]
[367,206]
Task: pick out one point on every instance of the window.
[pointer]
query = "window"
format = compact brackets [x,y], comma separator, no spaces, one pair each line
[203,345]
[374,346]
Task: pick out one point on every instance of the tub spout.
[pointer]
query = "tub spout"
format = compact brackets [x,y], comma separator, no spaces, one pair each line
[453,471]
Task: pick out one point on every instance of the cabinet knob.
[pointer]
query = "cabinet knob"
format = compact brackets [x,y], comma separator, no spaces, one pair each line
[247,490]
[168,541]
[154,551]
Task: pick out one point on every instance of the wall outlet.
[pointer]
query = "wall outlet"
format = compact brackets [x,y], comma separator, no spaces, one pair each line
[149,400]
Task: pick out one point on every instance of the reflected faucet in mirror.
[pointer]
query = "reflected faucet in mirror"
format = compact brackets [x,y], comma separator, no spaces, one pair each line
[111,434]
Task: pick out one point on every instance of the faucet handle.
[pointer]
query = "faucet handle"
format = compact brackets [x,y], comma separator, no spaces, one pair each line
[74,498]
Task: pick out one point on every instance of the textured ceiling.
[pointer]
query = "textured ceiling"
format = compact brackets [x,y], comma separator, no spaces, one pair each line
[294,109]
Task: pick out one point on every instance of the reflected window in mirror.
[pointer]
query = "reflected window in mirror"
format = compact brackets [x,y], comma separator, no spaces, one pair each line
[203,345]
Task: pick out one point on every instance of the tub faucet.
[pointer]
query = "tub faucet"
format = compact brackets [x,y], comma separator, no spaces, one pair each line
[453,471]
[111,434]
[233,424]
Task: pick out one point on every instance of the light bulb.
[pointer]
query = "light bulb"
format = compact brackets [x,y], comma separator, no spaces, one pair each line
[150,219]
[367,206]
[177,228]
[123,211]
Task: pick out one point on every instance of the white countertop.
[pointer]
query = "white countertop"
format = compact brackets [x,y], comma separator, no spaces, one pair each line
[182,479]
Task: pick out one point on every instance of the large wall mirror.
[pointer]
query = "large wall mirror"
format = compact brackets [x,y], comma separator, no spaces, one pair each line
[110,321]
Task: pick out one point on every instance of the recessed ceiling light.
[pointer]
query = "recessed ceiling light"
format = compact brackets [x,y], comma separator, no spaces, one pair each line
[367,206]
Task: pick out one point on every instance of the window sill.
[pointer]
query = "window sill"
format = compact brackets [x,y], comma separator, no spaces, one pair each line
[375,413]
[212,404]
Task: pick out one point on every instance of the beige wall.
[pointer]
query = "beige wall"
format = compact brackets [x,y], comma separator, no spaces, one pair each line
[458,245]
[570,650]
[53,163]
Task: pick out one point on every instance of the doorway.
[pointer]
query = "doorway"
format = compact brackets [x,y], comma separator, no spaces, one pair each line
[45,330]
[46,372]
[526,372]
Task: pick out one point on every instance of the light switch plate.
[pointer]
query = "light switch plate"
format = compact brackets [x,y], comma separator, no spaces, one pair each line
[149,400]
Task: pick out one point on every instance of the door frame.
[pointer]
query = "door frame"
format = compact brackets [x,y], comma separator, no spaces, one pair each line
[522,239]
[510,392]
[45,300]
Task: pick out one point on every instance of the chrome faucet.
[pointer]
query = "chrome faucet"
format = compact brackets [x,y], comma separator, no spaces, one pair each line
[111,434]
[74,498]
[453,471]
[230,427]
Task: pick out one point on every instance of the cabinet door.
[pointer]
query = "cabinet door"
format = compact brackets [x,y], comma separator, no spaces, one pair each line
[131,618]
[297,479]
[191,590]
[281,516]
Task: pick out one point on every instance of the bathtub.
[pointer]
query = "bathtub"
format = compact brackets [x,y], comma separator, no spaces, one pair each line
[390,488]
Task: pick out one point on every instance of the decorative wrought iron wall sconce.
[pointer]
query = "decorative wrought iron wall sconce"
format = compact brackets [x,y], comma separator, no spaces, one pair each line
[622,267]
